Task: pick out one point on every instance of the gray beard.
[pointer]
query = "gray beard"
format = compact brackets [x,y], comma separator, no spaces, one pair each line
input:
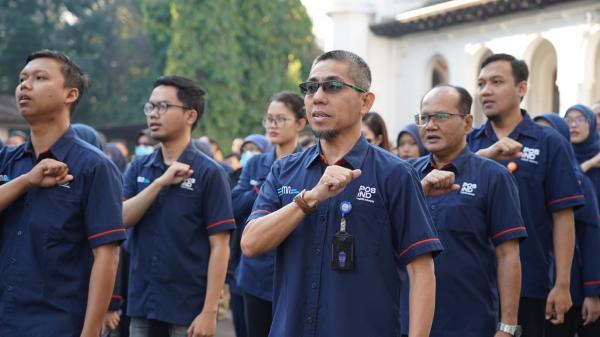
[326,135]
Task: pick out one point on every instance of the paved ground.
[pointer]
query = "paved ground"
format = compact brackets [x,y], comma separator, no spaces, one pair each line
[225,327]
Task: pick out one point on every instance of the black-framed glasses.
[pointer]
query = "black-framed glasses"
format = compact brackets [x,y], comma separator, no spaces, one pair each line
[332,86]
[278,120]
[440,116]
[161,107]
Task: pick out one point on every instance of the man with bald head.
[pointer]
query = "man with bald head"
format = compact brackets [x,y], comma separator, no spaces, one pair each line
[478,230]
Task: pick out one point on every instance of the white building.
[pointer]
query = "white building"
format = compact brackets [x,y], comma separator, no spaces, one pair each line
[411,46]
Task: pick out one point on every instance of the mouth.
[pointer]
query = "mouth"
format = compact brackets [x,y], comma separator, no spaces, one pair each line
[154,126]
[319,116]
[432,138]
[273,133]
[23,99]
[487,103]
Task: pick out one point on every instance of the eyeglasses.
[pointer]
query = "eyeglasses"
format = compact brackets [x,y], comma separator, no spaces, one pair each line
[423,119]
[161,108]
[579,120]
[330,87]
[279,120]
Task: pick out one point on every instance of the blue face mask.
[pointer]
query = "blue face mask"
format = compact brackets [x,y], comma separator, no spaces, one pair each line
[142,150]
[246,156]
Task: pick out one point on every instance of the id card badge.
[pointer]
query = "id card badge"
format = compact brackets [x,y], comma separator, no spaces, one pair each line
[342,246]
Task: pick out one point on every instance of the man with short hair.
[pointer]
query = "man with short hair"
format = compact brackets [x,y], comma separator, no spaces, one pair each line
[59,245]
[345,217]
[548,188]
[474,203]
[16,138]
[178,201]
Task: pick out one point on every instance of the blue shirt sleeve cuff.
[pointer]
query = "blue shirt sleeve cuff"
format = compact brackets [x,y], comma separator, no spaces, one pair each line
[591,288]
[431,245]
[573,201]
[109,236]
[518,232]
[221,226]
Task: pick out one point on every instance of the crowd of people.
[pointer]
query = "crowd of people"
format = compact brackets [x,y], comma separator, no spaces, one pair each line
[320,226]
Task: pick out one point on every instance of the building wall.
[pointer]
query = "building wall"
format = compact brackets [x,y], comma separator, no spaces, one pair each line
[565,36]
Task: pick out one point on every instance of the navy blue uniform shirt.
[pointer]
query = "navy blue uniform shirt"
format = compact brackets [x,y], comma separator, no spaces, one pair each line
[547,184]
[390,224]
[169,245]
[254,275]
[471,222]
[47,236]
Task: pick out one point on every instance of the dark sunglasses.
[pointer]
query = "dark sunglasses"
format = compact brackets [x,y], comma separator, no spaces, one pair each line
[332,86]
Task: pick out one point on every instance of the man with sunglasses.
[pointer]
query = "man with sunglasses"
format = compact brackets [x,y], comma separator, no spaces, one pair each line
[344,217]
[474,203]
[178,202]
[548,188]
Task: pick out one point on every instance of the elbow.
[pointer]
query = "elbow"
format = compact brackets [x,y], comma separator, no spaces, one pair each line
[247,243]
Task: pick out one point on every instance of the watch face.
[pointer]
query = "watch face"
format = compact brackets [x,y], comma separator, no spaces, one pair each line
[518,331]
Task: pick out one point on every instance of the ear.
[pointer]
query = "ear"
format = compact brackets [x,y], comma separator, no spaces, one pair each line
[522,89]
[468,123]
[367,101]
[72,95]
[191,116]
[301,124]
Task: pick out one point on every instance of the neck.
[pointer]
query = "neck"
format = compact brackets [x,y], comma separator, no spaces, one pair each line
[335,149]
[444,158]
[282,150]
[504,126]
[172,149]
[44,135]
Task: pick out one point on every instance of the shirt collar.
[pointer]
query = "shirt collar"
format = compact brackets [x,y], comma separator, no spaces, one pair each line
[456,165]
[524,128]
[57,151]
[353,159]
[272,155]
[186,157]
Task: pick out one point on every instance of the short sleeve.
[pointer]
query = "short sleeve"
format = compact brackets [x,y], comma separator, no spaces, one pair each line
[103,216]
[130,180]
[588,238]
[217,202]
[412,226]
[561,187]
[268,200]
[244,193]
[504,213]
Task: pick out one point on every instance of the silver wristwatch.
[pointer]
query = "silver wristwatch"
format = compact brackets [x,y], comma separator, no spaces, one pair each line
[513,330]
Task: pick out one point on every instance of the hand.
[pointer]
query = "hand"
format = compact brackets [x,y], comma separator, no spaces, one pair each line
[112,319]
[504,149]
[590,310]
[175,174]
[591,163]
[48,173]
[332,182]
[558,303]
[204,325]
[502,334]
[439,182]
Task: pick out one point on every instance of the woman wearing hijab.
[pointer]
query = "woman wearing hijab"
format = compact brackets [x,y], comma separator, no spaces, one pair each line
[582,318]
[409,143]
[582,129]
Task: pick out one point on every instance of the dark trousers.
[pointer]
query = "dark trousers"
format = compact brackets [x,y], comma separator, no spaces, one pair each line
[532,312]
[236,303]
[259,315]
[573,324]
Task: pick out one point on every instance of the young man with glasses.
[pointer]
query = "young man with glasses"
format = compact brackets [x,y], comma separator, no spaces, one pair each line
[344,217]
[179,205]
[59,246]
[474,203]
[548,188]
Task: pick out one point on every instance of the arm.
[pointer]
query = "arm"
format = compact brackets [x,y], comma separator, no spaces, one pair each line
[509,282]
[263,234]
[135,208]
[439,182]
[205,324]
[591,163]
[102,280]
[504,149]
[559,299]
[244,194]
[46,173]
[421,276]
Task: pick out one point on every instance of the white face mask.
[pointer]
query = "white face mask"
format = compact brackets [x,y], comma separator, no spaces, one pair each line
[246,156]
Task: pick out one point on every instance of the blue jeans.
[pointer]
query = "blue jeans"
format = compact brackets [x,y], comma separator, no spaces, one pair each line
[141,327]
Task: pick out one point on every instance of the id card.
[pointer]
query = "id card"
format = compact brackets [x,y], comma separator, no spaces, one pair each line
[342,251]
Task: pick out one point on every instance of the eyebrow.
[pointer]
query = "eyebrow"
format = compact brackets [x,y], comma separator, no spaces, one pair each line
[33,71]
[328,78]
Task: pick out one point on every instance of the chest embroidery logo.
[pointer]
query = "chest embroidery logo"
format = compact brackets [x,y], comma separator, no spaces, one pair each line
[365,193]
[143,180]
[188,184]
[468,189]
[4,178]
[530,155]
[287,190]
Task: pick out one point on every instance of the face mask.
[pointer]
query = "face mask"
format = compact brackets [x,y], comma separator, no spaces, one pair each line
[246,156]
[142,150]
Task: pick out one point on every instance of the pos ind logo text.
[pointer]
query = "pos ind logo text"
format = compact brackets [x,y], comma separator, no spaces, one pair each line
[365,193]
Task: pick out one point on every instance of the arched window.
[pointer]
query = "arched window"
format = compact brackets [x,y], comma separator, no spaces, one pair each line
[543,94]
[438,70]
[478,116]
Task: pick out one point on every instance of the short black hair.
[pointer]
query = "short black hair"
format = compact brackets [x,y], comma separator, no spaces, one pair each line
[188,92]
[75,77]
[292,101]
[519,68]
[359,71]
[465,100]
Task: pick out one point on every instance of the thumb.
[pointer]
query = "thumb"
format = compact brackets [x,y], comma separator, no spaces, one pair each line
[356,173]
[455,187]
[549,309]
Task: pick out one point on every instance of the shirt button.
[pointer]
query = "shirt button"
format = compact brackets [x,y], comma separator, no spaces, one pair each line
[154,258]
[308,319]
[317,251]
[19,233]
[314,285]
[9,288]
[13,260]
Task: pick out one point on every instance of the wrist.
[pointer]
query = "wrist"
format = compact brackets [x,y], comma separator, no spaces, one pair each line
[563,285]
[311,198]
[26,181]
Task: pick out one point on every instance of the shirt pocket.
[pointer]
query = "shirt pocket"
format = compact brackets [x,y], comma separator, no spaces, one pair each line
[366,223]
[465,214]
[59,213]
